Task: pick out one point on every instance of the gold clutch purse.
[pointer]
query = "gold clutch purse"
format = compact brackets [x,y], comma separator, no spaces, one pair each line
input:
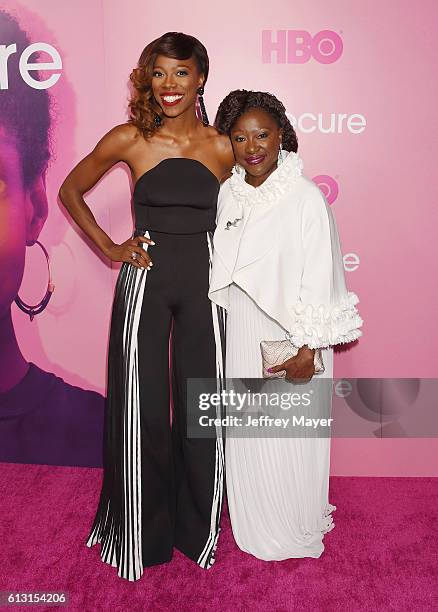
[275,352]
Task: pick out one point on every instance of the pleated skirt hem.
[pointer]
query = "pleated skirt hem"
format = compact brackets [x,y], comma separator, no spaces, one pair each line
[313,549]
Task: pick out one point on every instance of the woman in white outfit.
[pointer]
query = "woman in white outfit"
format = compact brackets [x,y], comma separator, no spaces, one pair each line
[277,270]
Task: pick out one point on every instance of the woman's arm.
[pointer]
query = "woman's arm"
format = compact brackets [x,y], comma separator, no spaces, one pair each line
[325,314]
[111,149]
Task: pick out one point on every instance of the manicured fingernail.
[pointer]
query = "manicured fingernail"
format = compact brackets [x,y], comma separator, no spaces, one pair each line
[270,370]
[152,242]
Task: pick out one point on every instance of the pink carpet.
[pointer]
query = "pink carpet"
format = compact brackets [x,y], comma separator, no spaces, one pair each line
[382,554]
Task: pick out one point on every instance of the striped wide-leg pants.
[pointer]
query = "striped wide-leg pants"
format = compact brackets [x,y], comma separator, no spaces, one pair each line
[160,488]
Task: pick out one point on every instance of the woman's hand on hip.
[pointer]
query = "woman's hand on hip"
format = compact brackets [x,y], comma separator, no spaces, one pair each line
[132,252]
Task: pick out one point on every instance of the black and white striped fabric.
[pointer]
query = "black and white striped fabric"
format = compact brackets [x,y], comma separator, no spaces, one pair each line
[118,522]
[207,558]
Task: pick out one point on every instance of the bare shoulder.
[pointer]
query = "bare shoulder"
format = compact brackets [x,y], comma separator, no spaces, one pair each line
[221,141]
[223,148]
[119,144]
[124,135]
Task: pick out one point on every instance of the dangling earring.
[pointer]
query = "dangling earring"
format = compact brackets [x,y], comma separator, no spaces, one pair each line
[204,116]
[34,310]
[158,120]
[282,154]
[240,170]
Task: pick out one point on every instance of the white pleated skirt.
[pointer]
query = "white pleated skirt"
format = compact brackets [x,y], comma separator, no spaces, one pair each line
[277,488]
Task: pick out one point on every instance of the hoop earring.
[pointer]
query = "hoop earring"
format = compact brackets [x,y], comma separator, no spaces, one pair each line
[34,310]
[204,115]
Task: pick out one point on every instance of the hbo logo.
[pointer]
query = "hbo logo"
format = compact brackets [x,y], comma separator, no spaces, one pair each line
[299,46]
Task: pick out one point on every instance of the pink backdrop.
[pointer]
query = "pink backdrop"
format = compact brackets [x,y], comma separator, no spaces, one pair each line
[367,66]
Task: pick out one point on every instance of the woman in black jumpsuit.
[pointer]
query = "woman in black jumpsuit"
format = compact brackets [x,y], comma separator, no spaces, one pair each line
[174,483]
[162,489]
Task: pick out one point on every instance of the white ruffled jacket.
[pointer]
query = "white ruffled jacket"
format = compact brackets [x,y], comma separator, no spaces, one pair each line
[282,248]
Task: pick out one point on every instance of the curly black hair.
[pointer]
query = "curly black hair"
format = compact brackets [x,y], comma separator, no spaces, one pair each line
[239,101]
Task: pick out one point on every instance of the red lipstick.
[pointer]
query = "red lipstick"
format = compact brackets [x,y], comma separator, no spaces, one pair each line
[171,99]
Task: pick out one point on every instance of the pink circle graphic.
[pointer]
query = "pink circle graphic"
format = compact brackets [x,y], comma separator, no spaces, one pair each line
[327,47]
[328,186]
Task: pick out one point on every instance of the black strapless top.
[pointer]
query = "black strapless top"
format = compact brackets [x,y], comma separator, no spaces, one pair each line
[177,196]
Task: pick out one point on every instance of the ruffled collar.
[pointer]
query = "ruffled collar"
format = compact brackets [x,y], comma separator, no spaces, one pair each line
[275,186]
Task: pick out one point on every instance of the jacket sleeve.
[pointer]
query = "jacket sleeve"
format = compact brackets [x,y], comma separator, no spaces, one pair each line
[325,313]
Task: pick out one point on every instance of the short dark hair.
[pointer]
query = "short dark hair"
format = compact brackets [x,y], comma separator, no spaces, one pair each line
[24,111]
[239,101]
[142,106]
